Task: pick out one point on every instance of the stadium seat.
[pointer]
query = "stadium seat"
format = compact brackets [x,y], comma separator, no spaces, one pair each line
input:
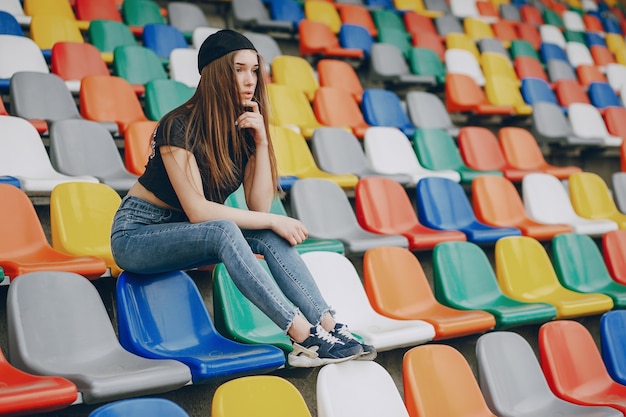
[106,35]
[427,110]
[335,397]
[261,395]
[291,108]
[336,107]
[296,72]
[588,276]
[339,74]
[382,107]
[318,41]
[74,60]
[134,407]
[163,317]
[592,198]
[438,380]
[464,95]
[163,95]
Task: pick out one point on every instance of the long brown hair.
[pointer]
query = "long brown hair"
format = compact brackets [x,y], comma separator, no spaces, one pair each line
[211,129]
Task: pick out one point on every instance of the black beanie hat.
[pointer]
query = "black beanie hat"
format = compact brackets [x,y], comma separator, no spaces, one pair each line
[219,44]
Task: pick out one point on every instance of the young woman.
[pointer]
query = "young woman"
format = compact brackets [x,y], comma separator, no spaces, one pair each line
[174,218]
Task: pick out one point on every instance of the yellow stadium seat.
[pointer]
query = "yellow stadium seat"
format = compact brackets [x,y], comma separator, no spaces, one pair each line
[592,199]
[324,12]
[457,40]
[418,7]
[296,72]
[291,108]
[493,63]
[503,91]
[258,395]
[477,28]
[525,273]
[46,30]
[81,215]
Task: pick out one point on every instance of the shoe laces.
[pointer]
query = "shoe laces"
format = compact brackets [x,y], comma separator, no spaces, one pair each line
[326,336]
[345,332]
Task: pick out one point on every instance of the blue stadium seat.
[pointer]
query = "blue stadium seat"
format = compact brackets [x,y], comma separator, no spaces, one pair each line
[602,95]
[357,37]
[382,107]
[536,90]
[163,316]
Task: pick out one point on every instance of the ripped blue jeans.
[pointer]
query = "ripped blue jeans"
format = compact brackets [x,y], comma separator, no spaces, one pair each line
[149,239]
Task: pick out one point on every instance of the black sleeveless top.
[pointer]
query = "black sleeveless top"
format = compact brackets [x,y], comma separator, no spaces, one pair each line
[156,180]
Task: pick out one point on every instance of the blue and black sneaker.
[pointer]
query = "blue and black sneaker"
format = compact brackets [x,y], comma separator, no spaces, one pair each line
[321,348]
[344,334]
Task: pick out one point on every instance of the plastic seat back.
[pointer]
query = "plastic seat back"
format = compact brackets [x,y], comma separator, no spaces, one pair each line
[81,216]
[496,201]
[138,13]
[336,398]
[550,125]
[137,64]
[437,150]
[296,72]
[573,365]
[317,39]
[183,66]
[339,74]
[337,108]
[535,90]
[19,53]
[240,320]
[323,12]
[356,37]
[442,204]
[162,39]
[163,95]
[9,24]
[110,98]
[382,107]
[578,54]
[77,340]
[338,151]
[74,60]
[267,46]
[521,149]
[460,61]
[357,15]
[46,30]
[504,91]
[521,47]
[612,344]
[290,107]
[602,95]
[260,395]
[480,148]
[588,276]
[106,35]
[103,10]
[383,206]
[425,61]
[591,197]
[427,110]
[183,331]
[134,407]
[528,67]
[44,96]
[438,381]
[137,147]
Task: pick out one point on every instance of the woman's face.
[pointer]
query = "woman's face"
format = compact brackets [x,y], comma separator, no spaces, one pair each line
[247,69]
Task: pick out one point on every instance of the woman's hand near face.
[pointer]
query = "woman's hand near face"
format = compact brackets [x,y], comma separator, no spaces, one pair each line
[290,229]
[253,120]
